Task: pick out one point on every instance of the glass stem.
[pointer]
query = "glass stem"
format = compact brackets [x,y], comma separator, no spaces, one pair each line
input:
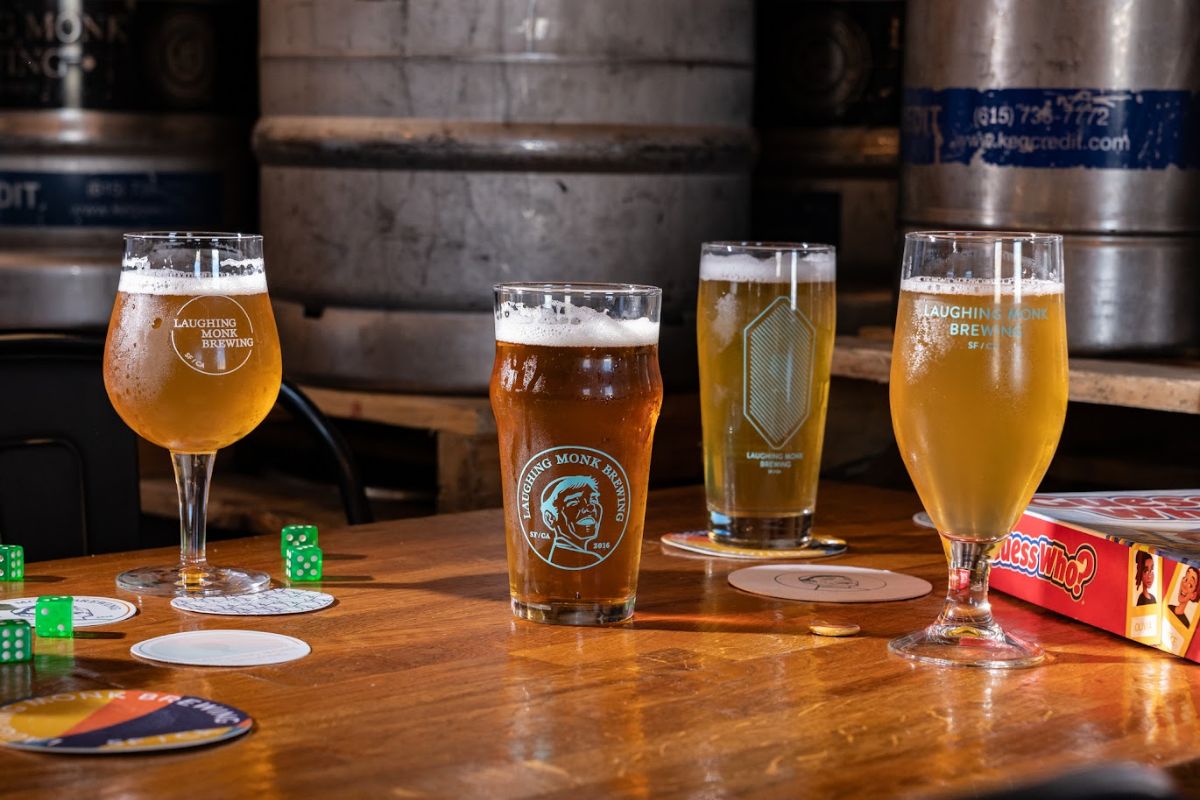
[192,474]
[967,605]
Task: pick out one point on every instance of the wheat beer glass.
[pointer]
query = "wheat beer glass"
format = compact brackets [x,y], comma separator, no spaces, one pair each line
[978,396]
[765,329]
[576,392]
[192,364]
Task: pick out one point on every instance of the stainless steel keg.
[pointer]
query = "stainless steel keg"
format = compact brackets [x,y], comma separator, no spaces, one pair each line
[415,153]
[1077,116]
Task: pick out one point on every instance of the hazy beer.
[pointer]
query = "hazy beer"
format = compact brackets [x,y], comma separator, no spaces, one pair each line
[765,330]
[576,393]
[978,396]
[192,364]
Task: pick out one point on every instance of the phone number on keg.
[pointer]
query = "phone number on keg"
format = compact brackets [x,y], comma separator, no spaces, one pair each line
[1052,127]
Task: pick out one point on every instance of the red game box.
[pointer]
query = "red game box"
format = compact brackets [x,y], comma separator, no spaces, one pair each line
[1127,562]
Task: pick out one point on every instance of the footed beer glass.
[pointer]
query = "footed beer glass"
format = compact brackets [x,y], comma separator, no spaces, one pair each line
[978,397]
[192,364]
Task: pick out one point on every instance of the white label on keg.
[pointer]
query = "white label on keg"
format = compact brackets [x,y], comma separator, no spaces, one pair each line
[778,353]
[213,334]
[573,506]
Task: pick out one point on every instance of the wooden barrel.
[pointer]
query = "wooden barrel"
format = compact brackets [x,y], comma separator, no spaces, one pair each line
[114,116]
[414,153]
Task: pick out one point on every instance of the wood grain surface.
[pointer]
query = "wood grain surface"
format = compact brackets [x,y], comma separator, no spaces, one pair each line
[420,684]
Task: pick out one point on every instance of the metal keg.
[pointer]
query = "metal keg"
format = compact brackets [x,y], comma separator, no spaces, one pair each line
[115,115]
[1078,116]
[414,153]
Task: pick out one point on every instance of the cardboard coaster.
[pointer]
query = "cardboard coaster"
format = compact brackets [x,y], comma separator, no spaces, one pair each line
[86,611]
[698,542]
[261,604]
[236,648]
[829,584]
[118,721]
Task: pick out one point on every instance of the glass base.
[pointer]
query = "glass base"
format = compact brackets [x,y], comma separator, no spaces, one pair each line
[966,646]
[207,582]
[574,612]
[762,533]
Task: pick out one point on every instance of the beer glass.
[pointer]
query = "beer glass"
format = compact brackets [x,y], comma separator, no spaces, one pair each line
[765,329]
[576,392]
[978,397]
[192,364]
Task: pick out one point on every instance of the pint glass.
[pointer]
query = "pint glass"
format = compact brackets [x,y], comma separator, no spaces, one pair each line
[576,392]
[765,329]
[978,397]
[192,364]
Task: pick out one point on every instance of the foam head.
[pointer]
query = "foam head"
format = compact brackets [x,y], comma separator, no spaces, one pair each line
[783,266]
[981,287]
[571,326]
[185,284]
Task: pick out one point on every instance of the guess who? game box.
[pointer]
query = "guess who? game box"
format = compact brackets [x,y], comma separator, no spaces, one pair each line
[1127,562]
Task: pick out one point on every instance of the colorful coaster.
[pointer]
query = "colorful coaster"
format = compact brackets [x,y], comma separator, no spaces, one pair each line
[235,648]
[829,584]
[118,721]
[261,604]
[87,612]
[698,542]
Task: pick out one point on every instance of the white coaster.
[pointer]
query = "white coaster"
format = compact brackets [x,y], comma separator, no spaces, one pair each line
[222,648]
[260,604]
[829,584]
[86,611]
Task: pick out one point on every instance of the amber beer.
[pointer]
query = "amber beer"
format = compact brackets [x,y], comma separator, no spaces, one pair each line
[978,397]
[192,364]
[765,334]
[576,394]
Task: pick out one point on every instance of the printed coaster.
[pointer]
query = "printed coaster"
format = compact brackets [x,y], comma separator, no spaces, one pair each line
[233,648]
[698,542]
[829,584]
[86,611]
[261,604]
[118,721]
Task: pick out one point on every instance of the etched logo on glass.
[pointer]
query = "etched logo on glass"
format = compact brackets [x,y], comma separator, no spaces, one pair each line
[777,371]
[212,334]
[573,504]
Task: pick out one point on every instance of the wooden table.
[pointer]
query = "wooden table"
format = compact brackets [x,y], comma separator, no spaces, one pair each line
[420,684]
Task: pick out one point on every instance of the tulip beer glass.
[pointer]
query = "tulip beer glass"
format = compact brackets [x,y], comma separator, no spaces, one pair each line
[978,397]
[192,364]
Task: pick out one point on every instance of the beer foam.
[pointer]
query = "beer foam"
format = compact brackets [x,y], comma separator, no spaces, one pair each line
[741,268]
[571,326]
[980,287]
[170,282]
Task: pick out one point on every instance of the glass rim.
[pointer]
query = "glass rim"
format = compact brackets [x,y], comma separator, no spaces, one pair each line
[983,236]
[751,246]
[208,236]
[582,287]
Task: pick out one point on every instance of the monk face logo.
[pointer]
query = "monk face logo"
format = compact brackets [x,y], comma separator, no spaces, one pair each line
[573,504]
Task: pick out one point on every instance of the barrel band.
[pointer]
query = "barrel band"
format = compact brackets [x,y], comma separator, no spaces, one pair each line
[424,144]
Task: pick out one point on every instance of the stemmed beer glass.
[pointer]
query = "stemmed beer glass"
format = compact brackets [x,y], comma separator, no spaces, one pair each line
[978,397]
[192,364]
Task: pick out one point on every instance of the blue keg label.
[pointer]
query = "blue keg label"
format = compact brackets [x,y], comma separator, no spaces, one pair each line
[1052,128]
[110,200]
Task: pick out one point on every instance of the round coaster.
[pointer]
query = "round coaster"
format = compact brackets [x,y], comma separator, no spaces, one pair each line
[698,542]
[235,648]
[829,584]
[263,604]
[922,519]
[86,611]
[118,721]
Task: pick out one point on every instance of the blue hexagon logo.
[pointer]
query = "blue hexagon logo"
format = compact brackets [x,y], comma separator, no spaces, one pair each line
[777,371]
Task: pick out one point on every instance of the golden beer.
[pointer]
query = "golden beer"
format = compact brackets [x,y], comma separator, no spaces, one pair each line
[575,409]
[192,364]
[765,334]
[978,397]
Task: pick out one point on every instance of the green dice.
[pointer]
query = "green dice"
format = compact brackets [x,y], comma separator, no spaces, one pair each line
[303,562]
[16,641]
[296,535]
[53,617]
[12,562]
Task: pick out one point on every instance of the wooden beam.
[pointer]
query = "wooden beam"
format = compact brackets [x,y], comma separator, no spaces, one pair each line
[468,416]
